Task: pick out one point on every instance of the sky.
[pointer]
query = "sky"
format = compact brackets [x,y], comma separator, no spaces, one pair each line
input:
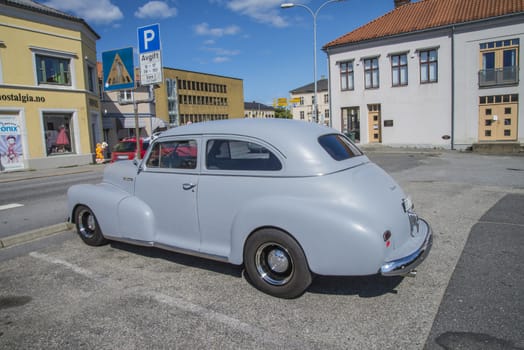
[269,48]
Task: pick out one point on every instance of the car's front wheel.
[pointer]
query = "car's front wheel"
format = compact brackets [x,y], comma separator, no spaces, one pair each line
[87,226]
[275,263]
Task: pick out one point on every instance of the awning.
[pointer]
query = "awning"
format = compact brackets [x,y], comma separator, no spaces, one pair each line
[157,123]
[129,122]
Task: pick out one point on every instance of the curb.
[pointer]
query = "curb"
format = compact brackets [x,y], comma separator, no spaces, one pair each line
[34,234]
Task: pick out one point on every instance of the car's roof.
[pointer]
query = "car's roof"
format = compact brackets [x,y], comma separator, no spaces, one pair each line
[296,140]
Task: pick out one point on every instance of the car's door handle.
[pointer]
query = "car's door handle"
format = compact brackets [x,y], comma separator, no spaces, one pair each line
[188,186]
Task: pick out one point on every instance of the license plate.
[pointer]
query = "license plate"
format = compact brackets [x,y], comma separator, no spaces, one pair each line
[123,157]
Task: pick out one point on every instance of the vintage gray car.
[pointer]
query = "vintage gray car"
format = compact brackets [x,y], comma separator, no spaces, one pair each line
[286,199]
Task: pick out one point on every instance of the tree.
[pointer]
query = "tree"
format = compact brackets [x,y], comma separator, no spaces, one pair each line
[283,113]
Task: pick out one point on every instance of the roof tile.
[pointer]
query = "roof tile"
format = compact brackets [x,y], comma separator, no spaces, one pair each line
[427,14]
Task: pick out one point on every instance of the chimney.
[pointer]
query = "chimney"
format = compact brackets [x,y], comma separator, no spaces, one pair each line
[399,3]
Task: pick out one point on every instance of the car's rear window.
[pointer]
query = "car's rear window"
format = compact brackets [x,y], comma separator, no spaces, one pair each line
[339,147]
[126,146]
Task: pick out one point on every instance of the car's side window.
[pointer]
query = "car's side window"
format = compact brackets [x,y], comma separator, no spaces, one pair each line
[240,155]
[179,154]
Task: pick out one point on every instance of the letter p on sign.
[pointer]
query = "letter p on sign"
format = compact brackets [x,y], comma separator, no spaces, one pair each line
[149,38]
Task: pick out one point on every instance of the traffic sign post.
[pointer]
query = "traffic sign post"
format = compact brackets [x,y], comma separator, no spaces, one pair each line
[150,57]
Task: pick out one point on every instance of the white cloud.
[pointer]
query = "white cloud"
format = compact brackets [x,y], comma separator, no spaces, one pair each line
[221,59]
[156,9]
[95,11]
[263,11]
[204,29]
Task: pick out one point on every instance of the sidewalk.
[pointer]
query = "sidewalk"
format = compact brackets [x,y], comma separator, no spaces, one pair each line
[27,174]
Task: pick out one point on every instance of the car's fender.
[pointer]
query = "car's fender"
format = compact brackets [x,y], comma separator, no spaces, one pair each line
[333,240]
[119,214]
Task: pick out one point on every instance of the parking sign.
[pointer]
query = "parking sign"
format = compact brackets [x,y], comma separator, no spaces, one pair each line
[149,38]
[150,56]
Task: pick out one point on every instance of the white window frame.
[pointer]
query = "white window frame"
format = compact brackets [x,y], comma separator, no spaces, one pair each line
[58,54]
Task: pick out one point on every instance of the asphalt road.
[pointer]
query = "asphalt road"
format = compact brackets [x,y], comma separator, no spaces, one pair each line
[57,293]
[28,204]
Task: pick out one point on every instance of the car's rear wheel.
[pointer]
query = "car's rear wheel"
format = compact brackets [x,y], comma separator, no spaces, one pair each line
[87,226]
[275,263]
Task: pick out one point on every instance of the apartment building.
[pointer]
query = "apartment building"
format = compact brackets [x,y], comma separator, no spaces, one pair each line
[431,73]
[258,110]
[50,108]
[303,100]
[183,97]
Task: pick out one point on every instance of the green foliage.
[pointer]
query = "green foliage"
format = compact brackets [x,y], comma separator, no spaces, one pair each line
[283,113]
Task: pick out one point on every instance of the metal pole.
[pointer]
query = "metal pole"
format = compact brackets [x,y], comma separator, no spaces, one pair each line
[314,14]
[137,128]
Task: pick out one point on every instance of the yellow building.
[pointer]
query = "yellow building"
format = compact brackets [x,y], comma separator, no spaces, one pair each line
[187,96]
[49,100]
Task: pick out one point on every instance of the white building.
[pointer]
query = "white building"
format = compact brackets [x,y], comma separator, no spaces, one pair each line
[437,73]
[304,96]
[258,110]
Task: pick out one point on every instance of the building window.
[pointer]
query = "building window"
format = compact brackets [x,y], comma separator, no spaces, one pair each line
[301,100]
[326,98]
[499,63]
[399,70]
[91,78]
[346,76]
[371,75]
[125,96]
[428,66]
[53,70]
[302,116]
[58,130]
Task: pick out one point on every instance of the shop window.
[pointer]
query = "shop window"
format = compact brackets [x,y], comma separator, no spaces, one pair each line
[53,70]
[58,134]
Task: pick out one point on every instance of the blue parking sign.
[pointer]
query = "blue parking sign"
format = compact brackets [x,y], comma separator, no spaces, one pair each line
[149,38]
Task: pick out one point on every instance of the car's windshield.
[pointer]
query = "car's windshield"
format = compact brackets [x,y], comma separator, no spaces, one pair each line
[339,147]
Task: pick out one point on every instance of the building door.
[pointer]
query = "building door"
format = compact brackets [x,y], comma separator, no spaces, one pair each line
[498,117]
[374,124]
[351,122]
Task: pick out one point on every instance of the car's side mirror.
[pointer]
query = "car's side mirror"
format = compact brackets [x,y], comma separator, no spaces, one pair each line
[138,164]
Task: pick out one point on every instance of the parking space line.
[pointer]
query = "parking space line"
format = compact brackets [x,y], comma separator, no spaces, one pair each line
[73,267]
[10,206]
[178,303]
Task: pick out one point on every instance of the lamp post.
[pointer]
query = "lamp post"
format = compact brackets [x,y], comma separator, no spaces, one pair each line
[314,14]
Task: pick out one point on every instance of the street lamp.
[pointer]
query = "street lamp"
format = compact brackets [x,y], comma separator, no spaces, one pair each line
[314,14]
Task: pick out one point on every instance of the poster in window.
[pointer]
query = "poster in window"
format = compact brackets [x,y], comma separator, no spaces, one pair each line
[11,151]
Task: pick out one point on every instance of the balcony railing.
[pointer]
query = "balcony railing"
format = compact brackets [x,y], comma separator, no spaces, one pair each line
[499,76]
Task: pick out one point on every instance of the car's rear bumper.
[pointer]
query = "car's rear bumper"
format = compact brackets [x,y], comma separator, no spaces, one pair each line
[407,264]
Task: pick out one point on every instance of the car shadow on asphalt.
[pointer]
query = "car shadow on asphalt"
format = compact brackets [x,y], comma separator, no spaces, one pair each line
[182,259]
[363,286]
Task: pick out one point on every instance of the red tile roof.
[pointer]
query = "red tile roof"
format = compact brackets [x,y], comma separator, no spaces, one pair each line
[426,14]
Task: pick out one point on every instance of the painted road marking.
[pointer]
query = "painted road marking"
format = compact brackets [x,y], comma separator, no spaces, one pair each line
[10,206]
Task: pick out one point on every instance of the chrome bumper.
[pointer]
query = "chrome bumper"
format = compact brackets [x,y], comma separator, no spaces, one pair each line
[407,264]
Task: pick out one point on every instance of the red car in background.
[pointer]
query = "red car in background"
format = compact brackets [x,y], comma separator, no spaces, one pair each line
[126,149]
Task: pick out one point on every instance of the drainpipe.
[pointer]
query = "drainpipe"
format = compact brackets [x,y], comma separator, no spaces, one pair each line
[453,87]
[330,106]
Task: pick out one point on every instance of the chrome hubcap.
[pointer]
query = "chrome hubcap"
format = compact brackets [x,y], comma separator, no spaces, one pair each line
[274,264]
[86,223]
